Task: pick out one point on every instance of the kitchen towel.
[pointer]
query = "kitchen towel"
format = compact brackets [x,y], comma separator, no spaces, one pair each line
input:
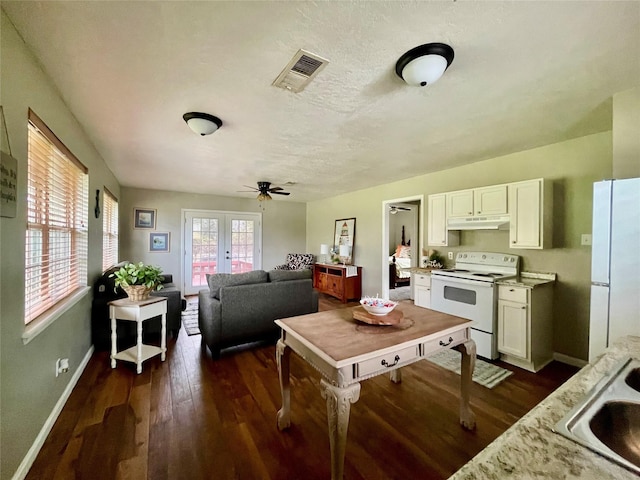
[352,271]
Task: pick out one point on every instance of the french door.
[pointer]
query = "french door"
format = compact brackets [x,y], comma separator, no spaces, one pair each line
[219,242]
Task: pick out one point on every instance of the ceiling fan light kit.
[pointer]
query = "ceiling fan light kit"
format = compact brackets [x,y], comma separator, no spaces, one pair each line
[202,123]
[425,64]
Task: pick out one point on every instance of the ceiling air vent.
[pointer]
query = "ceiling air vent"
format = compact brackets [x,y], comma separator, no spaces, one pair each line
[299,72]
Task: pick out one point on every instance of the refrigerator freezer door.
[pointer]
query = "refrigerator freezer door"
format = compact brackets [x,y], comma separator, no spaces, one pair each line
[624,271]
[598,321]
[601,232]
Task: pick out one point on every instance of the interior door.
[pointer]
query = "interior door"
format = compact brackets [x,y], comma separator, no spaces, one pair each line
[219,242]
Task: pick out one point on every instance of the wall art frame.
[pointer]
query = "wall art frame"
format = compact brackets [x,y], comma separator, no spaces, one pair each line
[159,241]
[344,233]
[144,218]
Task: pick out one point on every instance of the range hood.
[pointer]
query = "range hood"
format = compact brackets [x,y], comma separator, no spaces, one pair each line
[487,222]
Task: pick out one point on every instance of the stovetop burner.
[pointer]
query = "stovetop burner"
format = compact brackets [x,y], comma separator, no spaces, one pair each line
[482,267]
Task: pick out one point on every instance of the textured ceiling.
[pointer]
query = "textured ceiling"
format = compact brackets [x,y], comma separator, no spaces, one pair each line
[525,74]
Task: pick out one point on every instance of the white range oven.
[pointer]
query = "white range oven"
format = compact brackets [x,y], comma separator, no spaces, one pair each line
[469,291]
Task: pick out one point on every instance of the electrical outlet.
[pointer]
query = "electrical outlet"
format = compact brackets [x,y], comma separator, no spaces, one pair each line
[585,239]
[62,366]
[450,255]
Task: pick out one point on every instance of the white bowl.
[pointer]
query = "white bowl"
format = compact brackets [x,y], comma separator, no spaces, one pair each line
[378,306]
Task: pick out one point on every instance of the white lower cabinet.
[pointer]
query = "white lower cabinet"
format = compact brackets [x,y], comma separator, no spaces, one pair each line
[525,328]
[422,289]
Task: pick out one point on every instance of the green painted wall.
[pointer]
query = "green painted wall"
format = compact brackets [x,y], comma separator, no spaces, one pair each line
[283,225]
[573,166]
[29,389]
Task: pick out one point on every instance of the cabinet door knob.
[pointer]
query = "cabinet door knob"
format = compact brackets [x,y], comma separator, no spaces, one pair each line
[523,307]
[512,289]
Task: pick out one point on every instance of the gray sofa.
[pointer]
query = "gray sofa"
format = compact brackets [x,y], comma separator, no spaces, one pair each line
[241,308]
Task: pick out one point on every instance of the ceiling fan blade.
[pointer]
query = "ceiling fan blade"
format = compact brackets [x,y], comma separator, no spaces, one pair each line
[252,188]
[280,193]
[273,189]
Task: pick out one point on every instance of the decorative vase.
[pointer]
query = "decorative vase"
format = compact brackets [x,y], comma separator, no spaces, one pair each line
[137,293]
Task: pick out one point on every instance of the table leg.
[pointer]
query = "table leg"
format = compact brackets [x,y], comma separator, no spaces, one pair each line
[114,342]
[163,338]
[467,365]
[139,347]
[396,375]
[283,354]
[339,402]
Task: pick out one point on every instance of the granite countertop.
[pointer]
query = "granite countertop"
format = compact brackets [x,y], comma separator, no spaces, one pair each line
[530,279]
[530,449]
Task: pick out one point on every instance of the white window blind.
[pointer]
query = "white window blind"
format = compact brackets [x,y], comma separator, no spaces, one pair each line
[109,231]
[57,213]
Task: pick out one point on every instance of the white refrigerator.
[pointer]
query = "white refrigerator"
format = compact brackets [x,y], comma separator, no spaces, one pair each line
[615,263]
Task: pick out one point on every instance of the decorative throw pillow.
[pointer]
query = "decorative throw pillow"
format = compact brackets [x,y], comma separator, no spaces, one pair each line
[218,280]
[405,252]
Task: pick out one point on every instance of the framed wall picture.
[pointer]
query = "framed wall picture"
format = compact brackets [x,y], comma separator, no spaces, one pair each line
[159,242]
[344,235]
[144,218]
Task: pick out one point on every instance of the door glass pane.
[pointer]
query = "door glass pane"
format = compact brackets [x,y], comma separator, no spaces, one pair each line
[241,246]
[204,249]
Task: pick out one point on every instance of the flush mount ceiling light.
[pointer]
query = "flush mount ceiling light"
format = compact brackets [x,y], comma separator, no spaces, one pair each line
[202,123]
[425,64]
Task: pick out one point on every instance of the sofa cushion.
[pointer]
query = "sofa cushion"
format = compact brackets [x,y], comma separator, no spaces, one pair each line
[286,275]
[218,280]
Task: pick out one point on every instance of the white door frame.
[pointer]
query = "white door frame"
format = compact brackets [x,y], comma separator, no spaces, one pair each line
[257,236]
[385,236]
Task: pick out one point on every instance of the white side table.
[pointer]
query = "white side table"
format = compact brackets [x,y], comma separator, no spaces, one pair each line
[125,309]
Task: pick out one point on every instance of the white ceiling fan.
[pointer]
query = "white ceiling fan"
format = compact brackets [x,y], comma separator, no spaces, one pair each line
[393,209]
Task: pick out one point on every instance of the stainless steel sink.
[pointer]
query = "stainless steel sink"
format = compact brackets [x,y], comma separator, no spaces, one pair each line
[607,419]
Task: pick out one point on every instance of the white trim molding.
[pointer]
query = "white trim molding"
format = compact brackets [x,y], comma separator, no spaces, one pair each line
[575,362]
[31,455]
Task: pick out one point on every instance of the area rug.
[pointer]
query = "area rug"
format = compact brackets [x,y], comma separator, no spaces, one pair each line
[400,293]
[190,316]
[486,374]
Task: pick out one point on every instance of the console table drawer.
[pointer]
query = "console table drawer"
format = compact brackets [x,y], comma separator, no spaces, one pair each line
[384,362]
[445,341]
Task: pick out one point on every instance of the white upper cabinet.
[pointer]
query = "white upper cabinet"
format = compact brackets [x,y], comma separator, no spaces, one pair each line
[460,203]
[437,233]
[490,200]
[477,201]
[530,209]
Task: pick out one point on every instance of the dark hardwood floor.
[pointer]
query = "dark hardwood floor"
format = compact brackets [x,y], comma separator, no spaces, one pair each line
[194,418]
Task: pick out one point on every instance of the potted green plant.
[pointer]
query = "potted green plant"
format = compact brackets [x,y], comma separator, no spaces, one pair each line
[138,280]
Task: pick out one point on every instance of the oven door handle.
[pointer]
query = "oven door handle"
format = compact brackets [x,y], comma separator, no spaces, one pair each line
[451,281]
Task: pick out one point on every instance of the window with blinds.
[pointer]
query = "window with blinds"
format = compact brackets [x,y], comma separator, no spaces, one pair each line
[109,231]
[57,214]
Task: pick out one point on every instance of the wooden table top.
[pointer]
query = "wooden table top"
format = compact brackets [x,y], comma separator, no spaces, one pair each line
[125,302]
[337,334]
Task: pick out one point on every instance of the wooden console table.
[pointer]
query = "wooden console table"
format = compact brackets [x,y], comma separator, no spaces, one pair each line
[333,280]
[346,352]
[125,309]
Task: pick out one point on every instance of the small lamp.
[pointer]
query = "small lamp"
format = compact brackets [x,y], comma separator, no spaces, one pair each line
[324,251]
[425,64]
[344,254]
[202,123]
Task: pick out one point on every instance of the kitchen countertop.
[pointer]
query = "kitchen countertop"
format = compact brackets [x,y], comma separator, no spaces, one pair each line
[530,279]
[530,449]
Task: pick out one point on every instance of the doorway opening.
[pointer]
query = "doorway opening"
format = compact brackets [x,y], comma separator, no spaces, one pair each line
[402,222]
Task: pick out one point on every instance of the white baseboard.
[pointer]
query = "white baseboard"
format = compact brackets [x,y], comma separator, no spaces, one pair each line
[31,455]
[576,362]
